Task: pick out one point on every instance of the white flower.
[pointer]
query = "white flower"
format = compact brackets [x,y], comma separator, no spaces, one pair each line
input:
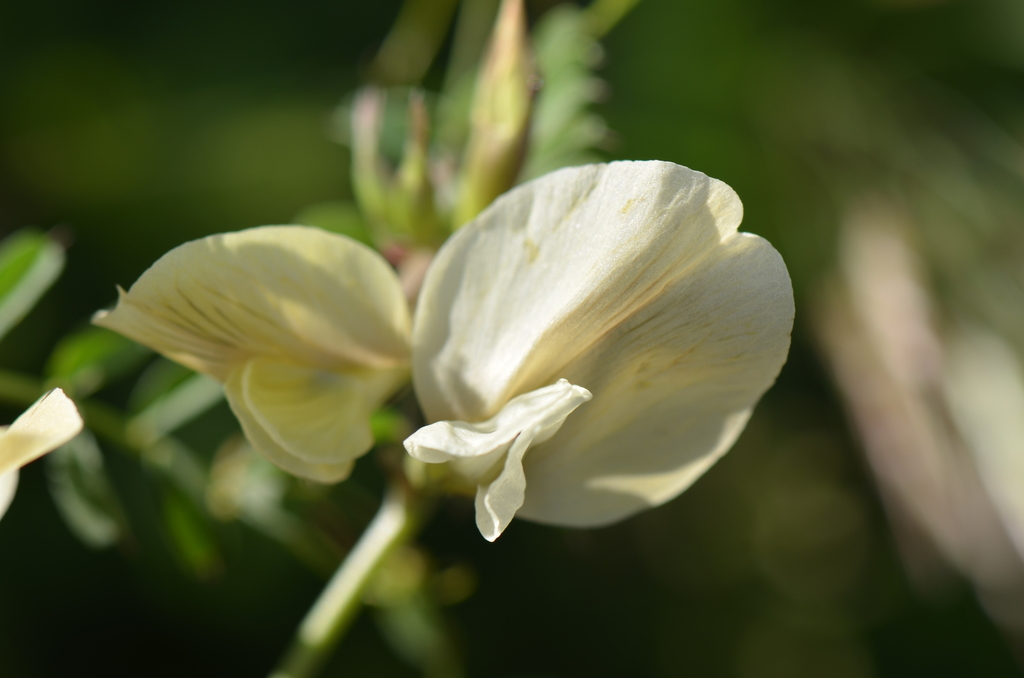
[627,283]
[49,423]
[308,331]
[586,347]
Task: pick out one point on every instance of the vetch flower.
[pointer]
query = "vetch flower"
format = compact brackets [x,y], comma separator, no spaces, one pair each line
[307,330]
[49,423]
[594,341]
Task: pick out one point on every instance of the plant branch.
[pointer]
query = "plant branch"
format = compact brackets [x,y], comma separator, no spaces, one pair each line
[336,608]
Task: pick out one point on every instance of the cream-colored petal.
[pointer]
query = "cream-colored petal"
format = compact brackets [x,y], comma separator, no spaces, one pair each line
[496,502]
[8,486]
[491,452]
[453,440]
[630,280]
[308,421]
[673,387]
[984,381]
[548,269]
[49,423]
[286,292]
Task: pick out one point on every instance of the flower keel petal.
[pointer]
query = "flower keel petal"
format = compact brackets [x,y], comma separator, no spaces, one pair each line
[477,449]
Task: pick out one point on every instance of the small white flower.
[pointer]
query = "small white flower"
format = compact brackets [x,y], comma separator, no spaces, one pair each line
[628,282]
[308,331]
[49,423]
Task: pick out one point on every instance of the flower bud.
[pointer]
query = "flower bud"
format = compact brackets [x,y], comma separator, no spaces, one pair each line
[412,204]
[369,177]
[500,115]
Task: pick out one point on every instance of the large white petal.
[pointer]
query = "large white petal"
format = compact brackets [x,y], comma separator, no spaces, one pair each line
[49,423]
[673,388]
[290,292]
[630,280]
[548,269]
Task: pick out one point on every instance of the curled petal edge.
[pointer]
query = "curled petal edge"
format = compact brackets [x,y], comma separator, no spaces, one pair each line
[491,452]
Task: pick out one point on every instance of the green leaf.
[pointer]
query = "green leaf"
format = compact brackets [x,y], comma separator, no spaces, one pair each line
[84,495]
[175,407]
[30,262]
[161,376]
[85,361]
[565,132]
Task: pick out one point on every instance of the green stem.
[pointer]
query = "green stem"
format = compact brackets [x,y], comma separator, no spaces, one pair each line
[336,608]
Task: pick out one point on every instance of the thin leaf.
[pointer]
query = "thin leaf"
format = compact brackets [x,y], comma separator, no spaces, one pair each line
[85,361]
[30,262]
[564,131]
[173,409]
[160,377]
[84,495]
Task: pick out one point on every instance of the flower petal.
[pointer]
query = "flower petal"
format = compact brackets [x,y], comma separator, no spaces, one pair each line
[477,449]
[551,267]
[310,422]
[673,388]
[49,423]
[984,382]
[8,486]
[628,279]
[453,440]
[289,292]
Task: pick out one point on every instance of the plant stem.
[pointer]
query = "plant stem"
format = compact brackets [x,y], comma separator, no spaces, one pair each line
[330,616]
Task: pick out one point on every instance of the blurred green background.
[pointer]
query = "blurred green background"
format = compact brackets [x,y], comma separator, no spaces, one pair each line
[129,128]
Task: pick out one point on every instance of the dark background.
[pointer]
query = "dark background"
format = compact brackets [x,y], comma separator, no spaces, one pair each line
[132,127]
